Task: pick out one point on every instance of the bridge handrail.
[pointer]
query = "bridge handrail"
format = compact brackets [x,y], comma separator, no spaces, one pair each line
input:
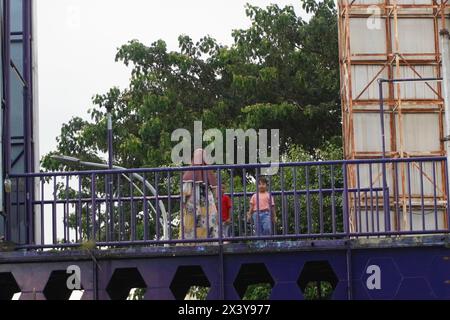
[230,167]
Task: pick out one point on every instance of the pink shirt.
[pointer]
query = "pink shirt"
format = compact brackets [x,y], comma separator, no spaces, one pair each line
[264,202]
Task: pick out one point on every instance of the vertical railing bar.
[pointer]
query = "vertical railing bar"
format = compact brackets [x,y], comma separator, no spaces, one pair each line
[93,206]
[422,196]
[158,209]
[377,199]
[54,226]
[205,176]
[79,219]
[66,213]
[111,207]
[321,222]
[107,211]
[145,205]
[182,207]
[410,197]
[257,222]
[240,220]
[355,200]
[308,201]
[283,205]
[232,203]
[357,223]
[194,194]
[42,211]
[333,201]
[244,182]
[274,225]
[447,179]
[366,208]
[371,196]
[297,222]
[169,205]
[345,202]
[19,231]
[120,209]
[132,211]
[358,209]
[397,198]
[88,225]
[219,196]
[435,196]
[99,219]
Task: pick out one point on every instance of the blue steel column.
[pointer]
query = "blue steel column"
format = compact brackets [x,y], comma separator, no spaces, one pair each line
[18,147]
[386,202]
[6,58]
[28,115]
[110,178]
[347,231]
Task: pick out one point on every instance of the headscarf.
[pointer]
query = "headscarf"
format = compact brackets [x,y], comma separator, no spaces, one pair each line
[205,176]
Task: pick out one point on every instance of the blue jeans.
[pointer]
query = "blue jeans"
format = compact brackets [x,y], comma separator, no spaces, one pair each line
[263,223]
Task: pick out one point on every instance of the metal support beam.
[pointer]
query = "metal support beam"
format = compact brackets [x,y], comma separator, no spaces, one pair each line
[446,84]
[6,134]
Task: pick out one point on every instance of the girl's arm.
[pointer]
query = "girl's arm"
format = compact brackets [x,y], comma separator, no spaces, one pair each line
[274,213]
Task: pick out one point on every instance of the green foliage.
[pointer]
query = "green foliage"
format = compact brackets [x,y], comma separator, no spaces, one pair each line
[198,293]
[280,73]
[312,291]
[137,294]
[259,291]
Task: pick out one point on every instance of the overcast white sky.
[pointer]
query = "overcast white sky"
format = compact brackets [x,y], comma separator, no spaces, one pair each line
[77,42]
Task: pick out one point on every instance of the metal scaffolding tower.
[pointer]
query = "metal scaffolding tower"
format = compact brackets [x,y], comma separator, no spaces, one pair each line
[389,40]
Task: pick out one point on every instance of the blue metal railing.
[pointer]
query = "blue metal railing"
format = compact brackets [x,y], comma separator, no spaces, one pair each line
[313,200]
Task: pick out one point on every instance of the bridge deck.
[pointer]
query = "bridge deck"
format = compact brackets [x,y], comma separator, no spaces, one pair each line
[406,267]
[344,231]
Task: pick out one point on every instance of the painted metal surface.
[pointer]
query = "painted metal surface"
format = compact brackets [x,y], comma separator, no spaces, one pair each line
[18,132]
[378,270]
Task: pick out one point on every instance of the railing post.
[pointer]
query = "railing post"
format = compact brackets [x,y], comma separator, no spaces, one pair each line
[30,223]
[345,205]
[93,206]
[386,205]
[386,202]
[448,194]
[347,232]
[219,200]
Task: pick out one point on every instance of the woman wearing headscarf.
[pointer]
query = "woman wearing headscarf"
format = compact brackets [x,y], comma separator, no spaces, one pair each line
[199,220]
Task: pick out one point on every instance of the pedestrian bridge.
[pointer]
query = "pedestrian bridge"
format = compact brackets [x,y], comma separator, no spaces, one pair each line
[345,230]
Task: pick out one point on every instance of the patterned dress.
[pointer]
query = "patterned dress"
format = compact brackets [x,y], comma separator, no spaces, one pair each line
[199,211]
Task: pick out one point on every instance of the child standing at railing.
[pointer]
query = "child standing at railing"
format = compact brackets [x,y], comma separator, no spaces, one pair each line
[262,210]
[226,208]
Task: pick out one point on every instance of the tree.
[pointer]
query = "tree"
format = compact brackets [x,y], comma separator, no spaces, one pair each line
[281,72]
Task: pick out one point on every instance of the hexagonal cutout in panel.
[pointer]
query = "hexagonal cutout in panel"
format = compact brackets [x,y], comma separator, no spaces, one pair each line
[126,284]
[317,280]
[254,282]
[190,283]
[8,286]
[56,287]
